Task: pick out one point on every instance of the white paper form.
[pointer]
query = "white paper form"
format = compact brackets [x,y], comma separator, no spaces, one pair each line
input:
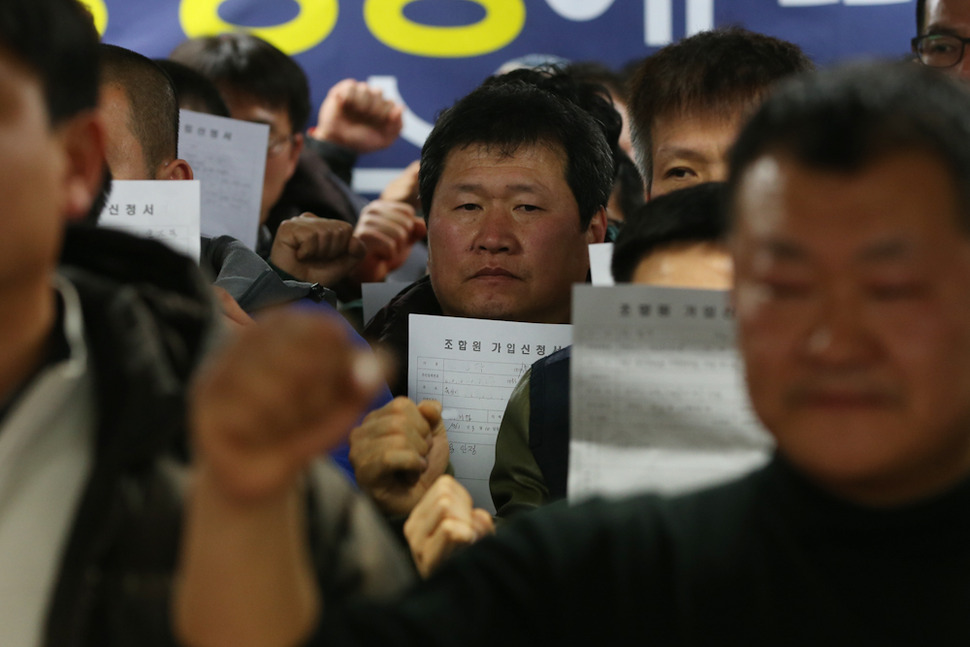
[165,210]
[600,260]
[472,366]
[229,157]
[657,396]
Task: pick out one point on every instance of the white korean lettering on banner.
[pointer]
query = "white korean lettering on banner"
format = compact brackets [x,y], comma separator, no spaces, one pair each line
[658,19]
[580,10]
[848,3]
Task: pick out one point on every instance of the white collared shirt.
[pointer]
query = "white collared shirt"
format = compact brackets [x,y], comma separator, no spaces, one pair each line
[46,452]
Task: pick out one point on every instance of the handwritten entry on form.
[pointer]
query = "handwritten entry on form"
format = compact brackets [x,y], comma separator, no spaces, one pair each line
[472,366]
[657,396]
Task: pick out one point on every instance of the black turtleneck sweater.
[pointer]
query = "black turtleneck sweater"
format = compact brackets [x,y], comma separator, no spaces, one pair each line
[767,560]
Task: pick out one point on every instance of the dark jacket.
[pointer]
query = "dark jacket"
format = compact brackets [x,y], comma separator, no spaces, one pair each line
[251,280]
[389,327]
[147,318]
[769,559]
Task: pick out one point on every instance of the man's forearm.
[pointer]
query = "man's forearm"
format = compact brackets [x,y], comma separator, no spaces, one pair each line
[233,555]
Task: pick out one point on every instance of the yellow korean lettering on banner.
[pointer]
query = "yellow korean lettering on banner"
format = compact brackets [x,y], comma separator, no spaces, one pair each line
[310,27]
[503,22]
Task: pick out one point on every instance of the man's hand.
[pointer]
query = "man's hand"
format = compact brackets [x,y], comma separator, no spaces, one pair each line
[357,116]
[234,316]
[443,521]
[388,230]
[316,250]
[282,391]
[404,187]
[398,452]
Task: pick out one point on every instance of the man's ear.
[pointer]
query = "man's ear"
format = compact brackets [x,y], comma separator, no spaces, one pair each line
[83,140]
[177,169]
[596,232]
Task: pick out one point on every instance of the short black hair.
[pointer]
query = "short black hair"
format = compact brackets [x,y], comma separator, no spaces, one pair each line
[243,63]
[920,16]
[627,187]
[508,112]
[722,72]
[57,41]
[154,114]
[589,94]
[600,74]
[844,119]
[691,215]
[193,90]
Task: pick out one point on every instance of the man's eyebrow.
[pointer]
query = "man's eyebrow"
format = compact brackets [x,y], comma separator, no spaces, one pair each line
[940,30]
[888,250]
[783,250]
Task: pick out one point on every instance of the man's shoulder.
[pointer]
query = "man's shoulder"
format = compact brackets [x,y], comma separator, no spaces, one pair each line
[391,320]
[652,533]
[389,327]
[558,359]
[118,258]
[692,513]
[121,276]
[148,318]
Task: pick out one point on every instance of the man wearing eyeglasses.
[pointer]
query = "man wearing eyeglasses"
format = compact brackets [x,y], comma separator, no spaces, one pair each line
[260,83]
[944,31]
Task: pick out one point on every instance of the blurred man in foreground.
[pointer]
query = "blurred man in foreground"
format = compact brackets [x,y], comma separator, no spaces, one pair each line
[850,210]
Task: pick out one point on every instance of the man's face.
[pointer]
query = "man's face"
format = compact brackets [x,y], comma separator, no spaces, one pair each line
[950,17]
[504,236]
[705,266]
[124,153]
[284,145]
[690,149]
[854,322]
[34,182]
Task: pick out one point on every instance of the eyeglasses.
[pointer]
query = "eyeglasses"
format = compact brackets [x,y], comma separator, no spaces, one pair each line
[939,50]
[275,145]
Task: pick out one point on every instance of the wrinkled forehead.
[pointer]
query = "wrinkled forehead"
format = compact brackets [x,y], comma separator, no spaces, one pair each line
[727,115]
[726,119]
[504,151]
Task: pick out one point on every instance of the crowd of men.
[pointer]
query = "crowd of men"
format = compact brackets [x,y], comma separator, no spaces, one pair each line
[163,427]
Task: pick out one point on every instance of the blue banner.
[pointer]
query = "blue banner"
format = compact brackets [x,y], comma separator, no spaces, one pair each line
[427,53]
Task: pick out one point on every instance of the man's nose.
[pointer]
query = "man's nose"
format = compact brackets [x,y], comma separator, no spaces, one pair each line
[496,232]
[838,334]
